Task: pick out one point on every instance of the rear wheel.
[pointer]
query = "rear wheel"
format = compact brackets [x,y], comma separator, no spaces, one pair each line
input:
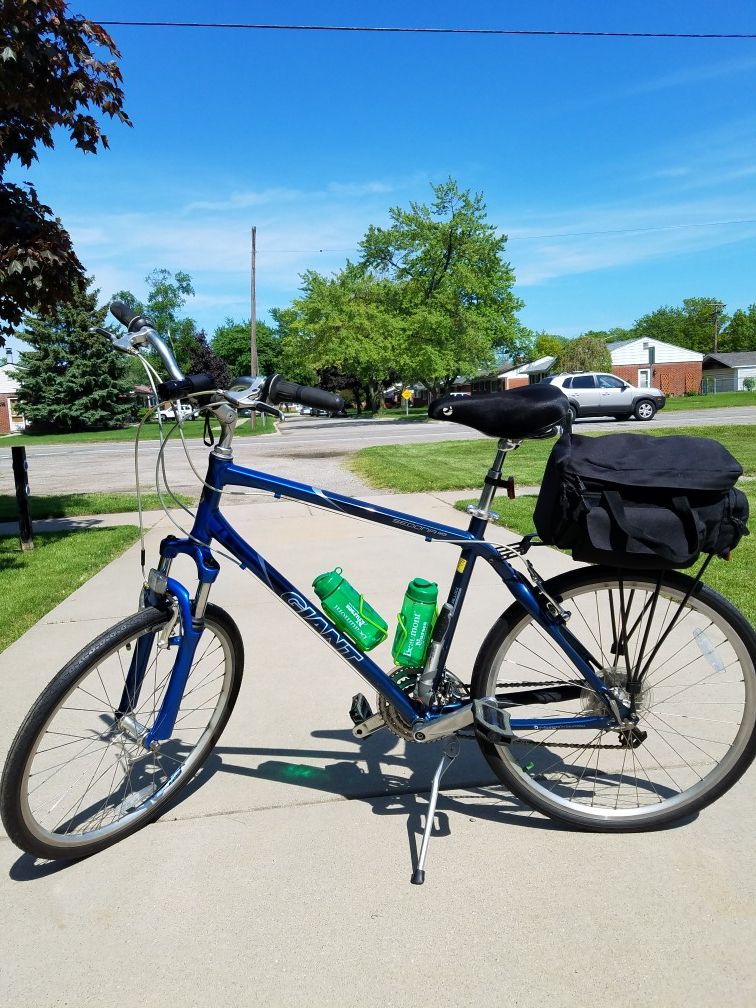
[696,703]
[78,778]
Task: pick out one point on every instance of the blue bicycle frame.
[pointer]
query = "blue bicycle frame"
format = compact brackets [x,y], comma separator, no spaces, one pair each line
[210,526]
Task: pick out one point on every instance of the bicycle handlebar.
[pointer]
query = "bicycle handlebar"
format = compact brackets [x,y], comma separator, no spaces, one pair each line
[274,389]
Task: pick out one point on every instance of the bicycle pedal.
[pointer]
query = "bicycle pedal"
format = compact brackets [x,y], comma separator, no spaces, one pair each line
[360,710]
[491,721]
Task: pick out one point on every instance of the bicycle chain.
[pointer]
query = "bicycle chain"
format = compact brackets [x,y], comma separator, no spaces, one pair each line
[556,745]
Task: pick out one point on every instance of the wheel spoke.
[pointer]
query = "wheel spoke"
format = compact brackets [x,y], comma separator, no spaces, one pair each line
[673,646]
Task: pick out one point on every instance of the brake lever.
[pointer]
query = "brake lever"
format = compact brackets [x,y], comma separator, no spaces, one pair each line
[242,400]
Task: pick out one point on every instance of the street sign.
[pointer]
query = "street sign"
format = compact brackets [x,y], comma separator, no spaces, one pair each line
[406,394]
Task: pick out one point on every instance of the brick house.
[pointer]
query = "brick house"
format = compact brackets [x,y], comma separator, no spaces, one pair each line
[652,363]
[10,419]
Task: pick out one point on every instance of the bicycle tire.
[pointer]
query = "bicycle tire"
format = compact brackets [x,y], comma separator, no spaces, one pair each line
[76,713]
[692,754]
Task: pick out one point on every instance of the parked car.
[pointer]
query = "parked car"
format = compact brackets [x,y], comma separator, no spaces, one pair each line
[167,412]
[592,394]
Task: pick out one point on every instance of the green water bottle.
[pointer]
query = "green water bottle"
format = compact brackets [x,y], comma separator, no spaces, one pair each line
[349,611]
[416,621]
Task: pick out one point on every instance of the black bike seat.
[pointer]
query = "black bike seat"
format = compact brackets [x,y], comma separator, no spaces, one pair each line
[530,411]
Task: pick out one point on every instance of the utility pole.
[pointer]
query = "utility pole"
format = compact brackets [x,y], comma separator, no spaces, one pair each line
[253,316]
[254,363]
[717,307]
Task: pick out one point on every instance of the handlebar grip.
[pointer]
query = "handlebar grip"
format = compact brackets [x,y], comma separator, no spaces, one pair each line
[132,320]
[123,313]
[174,389]
[281,390]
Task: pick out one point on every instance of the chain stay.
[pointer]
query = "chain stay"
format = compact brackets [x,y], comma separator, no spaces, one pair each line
[555,745]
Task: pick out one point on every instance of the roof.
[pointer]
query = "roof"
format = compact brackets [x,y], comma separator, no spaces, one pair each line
[620,343]
[733,360]
[539,366]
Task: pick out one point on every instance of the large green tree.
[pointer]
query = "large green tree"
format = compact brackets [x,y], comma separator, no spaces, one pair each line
[450,289]
[690,326]
[71,379]
[345,325]
[586,353]
[232,343]
[51,81]
[740,334]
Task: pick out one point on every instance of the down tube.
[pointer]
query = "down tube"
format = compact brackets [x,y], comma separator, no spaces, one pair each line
[312,616]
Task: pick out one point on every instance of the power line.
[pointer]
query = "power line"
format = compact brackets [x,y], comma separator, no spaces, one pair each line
[405,30]
[558,234]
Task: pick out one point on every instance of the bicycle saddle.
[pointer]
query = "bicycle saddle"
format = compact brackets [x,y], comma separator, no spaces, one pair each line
[527,412]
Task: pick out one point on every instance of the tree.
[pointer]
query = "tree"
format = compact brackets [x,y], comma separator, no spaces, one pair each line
[615,335]
[167,294]
[205,360]
[344,325]
[232,343]
[586,353]
[547,345]
[691,326]
[72,380]
[49,79]
[448,289]
[740,333]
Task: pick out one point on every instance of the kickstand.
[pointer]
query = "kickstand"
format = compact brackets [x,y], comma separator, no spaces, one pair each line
[451,751]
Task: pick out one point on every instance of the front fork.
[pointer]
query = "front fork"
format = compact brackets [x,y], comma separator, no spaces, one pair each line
[188,615]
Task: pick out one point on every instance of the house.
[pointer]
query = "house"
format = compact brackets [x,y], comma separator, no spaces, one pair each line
[727,372]
[527,374]
[647,363]
[10,418]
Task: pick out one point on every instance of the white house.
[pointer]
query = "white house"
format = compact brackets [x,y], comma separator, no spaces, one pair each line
[10,419]
[725,372]
[649,362]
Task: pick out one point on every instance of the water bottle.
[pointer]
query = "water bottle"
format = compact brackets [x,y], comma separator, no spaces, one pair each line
[415,623]
[348,610]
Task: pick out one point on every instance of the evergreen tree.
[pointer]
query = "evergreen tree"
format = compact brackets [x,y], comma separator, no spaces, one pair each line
[72,379]
[204,360]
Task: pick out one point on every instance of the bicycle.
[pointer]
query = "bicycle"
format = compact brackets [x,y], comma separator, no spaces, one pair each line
[610,700]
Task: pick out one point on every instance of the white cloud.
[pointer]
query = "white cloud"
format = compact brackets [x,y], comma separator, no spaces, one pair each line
[694,75]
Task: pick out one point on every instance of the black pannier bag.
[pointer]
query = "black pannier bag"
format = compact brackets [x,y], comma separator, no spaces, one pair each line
[638,501]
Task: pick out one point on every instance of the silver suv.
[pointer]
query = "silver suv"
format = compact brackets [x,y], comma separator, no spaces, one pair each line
[594,394]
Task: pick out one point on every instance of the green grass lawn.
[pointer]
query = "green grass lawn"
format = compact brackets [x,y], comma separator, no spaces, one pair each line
[73,505]
[712,401]
[731,578]
[459,465]
[150,432]
[34,582]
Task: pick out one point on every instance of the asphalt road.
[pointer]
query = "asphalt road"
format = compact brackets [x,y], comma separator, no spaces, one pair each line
[310,450]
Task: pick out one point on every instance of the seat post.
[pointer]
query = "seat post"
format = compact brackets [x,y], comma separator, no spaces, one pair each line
[504,446]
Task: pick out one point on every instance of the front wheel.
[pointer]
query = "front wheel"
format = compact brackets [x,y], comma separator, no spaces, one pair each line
[77,777]
[645,410]
[696,702]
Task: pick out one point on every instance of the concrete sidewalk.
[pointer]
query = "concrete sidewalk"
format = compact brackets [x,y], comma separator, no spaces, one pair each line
[282,878]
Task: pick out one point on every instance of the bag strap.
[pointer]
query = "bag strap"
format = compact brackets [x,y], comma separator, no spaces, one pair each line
[680,505]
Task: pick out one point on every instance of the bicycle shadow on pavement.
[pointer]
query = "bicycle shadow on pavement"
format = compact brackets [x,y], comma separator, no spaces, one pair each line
[362,772]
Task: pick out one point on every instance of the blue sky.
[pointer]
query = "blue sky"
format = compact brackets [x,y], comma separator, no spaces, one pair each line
[313,136]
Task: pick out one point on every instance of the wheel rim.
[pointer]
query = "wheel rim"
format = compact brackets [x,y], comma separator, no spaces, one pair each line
[698,709]
[87,781]
[645,411]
